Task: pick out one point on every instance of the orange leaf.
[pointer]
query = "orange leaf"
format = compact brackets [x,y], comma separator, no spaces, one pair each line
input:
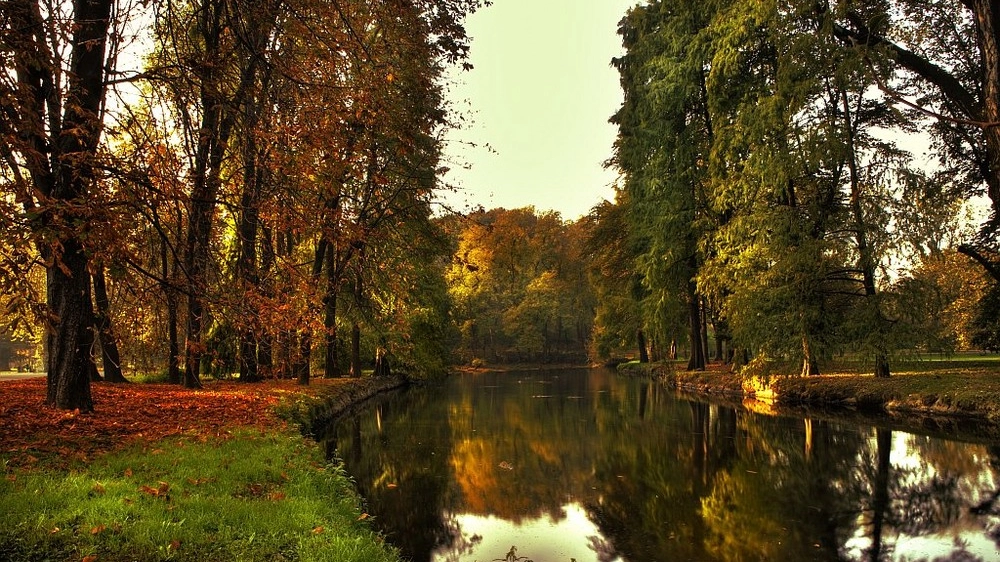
[164,488]
[175,545]
[363,517]
[317,530]
[98,530]
[128,473]
[99,488]
[89,558]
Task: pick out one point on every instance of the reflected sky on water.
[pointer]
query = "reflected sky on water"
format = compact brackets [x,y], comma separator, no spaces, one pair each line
[562,465]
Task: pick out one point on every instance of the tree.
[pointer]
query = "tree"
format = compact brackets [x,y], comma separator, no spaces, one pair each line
[53,116]
[940,61]
[665,133]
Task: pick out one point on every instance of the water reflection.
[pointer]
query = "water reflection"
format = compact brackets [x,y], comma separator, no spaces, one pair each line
[561,465]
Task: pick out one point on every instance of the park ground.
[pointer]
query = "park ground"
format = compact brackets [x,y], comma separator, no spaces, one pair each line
[954,395]
[163,473]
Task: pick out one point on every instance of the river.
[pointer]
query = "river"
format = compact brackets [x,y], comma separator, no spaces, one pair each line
[584,465]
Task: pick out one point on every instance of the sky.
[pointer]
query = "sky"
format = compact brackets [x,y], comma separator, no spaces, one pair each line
[538,99]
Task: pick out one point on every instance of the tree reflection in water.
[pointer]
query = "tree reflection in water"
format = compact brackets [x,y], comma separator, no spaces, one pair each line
[583,464]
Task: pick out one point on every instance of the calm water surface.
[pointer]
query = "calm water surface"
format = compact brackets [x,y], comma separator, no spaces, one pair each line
[563,465]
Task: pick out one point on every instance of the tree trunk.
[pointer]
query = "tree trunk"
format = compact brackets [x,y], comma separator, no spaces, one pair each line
[109,347]
[265,345]
[303,359]
[355,350]
[68,279]
[641,340]
[810,367]
[697,360]
[330,316]
[989,47]
[70,339]
[382,368]
[865,257]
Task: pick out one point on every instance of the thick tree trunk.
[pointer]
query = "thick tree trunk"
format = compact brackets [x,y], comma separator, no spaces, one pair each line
[68,280]
[109,346]
[986,13]
[71,338]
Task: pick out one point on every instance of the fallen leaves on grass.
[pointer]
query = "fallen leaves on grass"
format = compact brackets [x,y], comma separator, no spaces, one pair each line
[127,414]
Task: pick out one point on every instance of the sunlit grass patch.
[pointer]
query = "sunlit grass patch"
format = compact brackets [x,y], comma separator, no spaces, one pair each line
[257,496]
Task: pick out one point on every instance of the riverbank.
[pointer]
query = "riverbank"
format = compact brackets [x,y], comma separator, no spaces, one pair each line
[939,395]
[162,473]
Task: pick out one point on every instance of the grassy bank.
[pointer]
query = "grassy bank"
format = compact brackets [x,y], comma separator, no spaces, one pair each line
[210,475]
[963,387]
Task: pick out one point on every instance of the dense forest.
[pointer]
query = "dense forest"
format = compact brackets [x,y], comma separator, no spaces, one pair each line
[223,186]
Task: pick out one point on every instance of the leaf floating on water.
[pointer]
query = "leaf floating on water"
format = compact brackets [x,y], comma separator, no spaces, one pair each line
[506,465]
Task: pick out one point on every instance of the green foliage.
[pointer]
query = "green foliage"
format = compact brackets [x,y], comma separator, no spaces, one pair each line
[250,496]
[754,164]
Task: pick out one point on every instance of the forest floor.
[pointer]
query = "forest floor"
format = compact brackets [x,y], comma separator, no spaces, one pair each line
[158,472]
[950,394]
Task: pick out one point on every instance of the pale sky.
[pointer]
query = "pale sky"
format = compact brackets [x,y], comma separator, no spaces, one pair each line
[540,96]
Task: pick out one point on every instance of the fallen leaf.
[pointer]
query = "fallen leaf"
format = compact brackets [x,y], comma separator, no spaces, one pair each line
[318,530]
[90,558]
[363,517]
[99,488]
[175,545]
[98,530]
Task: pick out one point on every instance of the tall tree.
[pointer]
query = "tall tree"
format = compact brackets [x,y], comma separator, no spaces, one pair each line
[52,120]
[665,134]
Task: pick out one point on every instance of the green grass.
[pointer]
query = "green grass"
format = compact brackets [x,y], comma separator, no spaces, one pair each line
[248,497]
